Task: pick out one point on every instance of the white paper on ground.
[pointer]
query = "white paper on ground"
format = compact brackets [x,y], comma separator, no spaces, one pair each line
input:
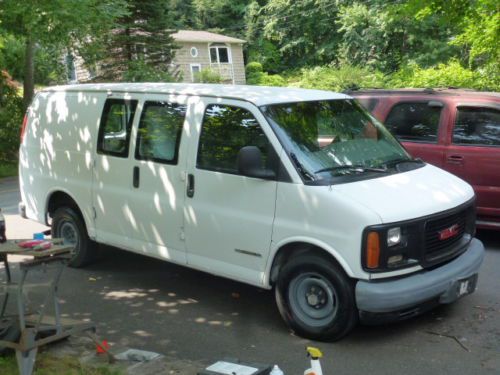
[231,368]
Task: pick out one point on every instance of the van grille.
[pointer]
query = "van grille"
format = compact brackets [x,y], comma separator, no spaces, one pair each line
[443,235]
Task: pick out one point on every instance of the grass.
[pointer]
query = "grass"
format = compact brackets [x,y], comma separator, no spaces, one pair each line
[8,169]
[48,365]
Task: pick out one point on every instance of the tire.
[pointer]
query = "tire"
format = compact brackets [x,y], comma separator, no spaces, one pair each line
[69,226]
[316,298]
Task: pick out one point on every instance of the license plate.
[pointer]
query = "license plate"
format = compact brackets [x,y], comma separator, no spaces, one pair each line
[466,286]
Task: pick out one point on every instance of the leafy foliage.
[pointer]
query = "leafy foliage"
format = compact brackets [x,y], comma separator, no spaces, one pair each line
[207,75]
[11,117]
[140,70]
[339,78]
[452,74]
[58,23]
[140,41]
[256,76]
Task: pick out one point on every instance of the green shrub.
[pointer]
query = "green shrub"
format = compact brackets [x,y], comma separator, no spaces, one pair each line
[452,74]
[207,75]
[254,68]
[140,71]
[256,76]
[337,79]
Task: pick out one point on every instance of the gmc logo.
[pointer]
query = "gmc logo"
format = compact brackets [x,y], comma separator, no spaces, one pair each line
[448,232]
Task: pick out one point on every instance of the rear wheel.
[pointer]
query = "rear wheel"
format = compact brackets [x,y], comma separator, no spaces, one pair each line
[316,298]
[69,226]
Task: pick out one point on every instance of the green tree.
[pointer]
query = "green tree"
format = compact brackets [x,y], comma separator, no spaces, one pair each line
[476,24]
[56,22]
[140,47]
[226,16]
[183,14]
[303,31]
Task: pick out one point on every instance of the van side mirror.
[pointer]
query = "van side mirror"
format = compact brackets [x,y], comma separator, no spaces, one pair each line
[250,164]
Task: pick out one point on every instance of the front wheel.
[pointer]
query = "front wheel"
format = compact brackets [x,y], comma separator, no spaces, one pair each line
[316,298]
[69,226]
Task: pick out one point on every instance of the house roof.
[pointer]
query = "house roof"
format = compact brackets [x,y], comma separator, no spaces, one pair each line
[258,95]
[204,36]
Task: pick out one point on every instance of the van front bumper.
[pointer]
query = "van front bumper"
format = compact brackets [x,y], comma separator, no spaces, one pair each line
[410,295]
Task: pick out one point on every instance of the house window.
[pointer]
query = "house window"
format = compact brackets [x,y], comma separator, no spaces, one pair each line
[195,72]
[219,54]
[194,52]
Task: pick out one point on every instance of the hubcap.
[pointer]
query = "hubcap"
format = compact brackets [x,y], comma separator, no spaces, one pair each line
[313,299]
[68,233]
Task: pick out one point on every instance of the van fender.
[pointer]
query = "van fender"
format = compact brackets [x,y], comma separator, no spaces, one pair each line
[86,219]
[307,240]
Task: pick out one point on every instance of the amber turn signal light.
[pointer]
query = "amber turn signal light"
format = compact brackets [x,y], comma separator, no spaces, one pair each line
[372,250]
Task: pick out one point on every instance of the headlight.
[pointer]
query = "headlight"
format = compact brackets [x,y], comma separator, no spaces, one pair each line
[393,236]
[387,247]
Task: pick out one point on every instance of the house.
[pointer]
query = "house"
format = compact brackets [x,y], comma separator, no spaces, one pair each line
[204,50]
[197,50]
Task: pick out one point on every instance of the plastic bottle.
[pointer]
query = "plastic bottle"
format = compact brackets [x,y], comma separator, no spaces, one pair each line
[315,354]
[3,229]
[276,371]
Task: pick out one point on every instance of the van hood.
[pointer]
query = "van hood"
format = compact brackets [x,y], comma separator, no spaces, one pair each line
[409,195]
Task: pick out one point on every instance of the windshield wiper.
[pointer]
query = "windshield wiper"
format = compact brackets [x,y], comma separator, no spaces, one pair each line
[300,168]
[395,162]
[352,168]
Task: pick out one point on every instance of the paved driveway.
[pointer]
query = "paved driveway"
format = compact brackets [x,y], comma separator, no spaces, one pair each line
[198,318]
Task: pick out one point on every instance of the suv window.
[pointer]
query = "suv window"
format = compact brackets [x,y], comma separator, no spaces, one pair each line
[225,130]
[368,103]
[414,121]
[477,126]
[160,131]
[115,127]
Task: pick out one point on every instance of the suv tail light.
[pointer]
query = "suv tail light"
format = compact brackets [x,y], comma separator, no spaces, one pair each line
[23,127]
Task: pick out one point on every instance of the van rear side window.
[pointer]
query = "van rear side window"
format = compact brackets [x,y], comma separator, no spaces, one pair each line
[160,132]
[115,127]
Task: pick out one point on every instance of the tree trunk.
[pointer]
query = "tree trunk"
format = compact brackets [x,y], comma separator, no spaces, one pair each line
[29,73]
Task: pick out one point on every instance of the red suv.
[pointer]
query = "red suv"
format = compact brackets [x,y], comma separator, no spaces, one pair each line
[456,130]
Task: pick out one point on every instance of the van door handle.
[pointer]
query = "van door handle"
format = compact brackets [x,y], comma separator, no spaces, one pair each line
[137,177]
[455,159]
[190,186]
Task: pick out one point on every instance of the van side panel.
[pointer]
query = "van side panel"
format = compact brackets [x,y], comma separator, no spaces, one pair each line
[57,153]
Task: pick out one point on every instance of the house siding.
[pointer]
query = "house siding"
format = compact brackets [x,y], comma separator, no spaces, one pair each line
[183,59]
[238,64]
[231,73]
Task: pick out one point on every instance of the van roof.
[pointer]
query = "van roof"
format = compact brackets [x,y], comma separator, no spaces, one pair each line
[258,95]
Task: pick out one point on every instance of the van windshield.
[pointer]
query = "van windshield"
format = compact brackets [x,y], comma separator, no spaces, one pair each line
[335,138]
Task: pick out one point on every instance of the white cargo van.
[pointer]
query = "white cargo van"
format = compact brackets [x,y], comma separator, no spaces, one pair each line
[297,190]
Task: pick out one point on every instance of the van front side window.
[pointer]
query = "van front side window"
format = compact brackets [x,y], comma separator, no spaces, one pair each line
[160,131]
[115,127]
[225,130]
